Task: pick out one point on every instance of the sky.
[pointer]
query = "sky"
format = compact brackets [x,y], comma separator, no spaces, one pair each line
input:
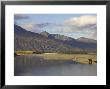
[72,25]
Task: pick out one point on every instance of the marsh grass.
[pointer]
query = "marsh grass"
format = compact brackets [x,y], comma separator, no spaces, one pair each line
[81,58]
[23,52]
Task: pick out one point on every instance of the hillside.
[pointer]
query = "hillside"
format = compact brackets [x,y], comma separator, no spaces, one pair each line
[87,40]
[45,42]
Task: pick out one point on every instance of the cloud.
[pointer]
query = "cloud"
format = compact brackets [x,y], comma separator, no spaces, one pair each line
[85,25]
[86,31]
[29,26]
[82,20]
[39,27]
[62,29]
[33,27]
[20,16]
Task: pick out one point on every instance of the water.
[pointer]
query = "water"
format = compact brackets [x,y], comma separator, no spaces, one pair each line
[33,65]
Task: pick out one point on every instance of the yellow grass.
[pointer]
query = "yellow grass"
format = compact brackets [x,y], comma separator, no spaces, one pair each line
[23,52]
[82,58]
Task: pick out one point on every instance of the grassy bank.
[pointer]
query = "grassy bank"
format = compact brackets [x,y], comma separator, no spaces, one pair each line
[81,58]
[23,52]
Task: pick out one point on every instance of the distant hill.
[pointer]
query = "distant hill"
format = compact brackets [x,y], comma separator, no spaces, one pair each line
[19,31]
[55,36]
[83,39]
[45,42]
[44,33]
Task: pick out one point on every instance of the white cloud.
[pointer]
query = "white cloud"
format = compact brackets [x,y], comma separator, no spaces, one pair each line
[86,31]
[82,20]
[62,29]
[28,26]
[85,25]
[33,27]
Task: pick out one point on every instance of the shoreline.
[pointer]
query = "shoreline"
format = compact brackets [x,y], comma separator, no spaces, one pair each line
[80,58]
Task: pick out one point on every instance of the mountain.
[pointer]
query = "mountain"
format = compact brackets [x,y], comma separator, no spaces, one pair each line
[19,31]
[44,33]
[45,42]
[61,37]
[87,40]
[82,44]
[55,36]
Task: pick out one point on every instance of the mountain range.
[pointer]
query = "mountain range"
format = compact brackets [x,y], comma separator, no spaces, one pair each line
[46,42]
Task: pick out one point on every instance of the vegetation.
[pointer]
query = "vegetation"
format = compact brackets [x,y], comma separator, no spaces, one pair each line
[74,52]
[23,52]
[79,57]
[46,42]
[57,47]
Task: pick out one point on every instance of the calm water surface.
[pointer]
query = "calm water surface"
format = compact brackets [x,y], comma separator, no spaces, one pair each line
[33,65]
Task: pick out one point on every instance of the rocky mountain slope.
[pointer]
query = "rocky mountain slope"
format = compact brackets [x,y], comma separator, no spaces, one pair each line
[46,42]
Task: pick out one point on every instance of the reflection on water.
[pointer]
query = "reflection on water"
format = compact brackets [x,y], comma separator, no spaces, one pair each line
[33,65]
